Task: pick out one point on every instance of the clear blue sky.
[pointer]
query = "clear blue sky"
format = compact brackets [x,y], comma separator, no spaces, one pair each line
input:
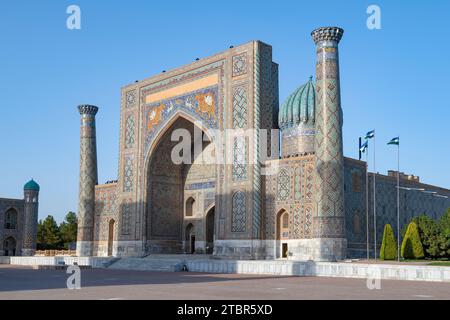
[394,80]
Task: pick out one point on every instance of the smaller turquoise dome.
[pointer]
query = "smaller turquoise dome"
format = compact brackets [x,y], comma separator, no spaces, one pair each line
[31,185]
[299,107]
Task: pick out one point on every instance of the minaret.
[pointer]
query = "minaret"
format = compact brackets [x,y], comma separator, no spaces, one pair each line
[88,180]
[31,198]
[329,220]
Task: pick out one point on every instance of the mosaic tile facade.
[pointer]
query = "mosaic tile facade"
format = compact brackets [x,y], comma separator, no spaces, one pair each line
[106,209]
[240,105]
[283,185]
[240,159]
[128,174]
[131,99]
[130,132]
[234,209]
[18,224]
[239,218]
[328,137]
[240,64]
[88,178]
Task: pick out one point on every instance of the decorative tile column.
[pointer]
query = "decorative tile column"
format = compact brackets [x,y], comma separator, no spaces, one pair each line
[31,198]
[88,180]
[329,220]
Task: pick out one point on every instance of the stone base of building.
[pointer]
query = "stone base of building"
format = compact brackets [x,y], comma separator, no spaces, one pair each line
[319,249]
[164,247]
[200,247]
[119,249]
[128,249]
[28,252]
[239,249]
[85,248]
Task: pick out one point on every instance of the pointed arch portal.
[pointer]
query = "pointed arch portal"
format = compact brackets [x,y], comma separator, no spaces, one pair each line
[169,186]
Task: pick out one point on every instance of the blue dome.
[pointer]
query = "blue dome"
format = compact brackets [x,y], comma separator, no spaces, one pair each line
[299,107]
[31,185]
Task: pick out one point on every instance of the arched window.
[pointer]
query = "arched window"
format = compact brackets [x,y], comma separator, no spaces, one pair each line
[356,182]
[9,246]
[190,207]
[282,231]
[285,220]
[11,219]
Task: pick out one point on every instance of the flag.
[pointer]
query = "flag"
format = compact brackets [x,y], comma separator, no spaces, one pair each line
[370,135]
[364,146]
[395,141]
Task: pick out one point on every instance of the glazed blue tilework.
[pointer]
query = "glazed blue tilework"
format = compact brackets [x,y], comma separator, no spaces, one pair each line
[412,204]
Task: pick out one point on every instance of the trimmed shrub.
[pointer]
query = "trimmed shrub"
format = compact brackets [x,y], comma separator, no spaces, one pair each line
[389,245]
[411,245]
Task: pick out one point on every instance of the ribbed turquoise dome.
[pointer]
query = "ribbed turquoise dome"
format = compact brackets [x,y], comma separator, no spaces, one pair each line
[299,107]
[31,185]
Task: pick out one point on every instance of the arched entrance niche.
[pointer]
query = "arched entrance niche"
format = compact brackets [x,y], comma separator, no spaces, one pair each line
[210,215]
[170,184]
[190,239]
[9,246]
[110,237]
[11,219]
[282,234]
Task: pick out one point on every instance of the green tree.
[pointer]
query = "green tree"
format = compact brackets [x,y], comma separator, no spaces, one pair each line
[430,236]
[444,227]
[68,229]
[40,236]
[389,245]
[411,245]
[51,238]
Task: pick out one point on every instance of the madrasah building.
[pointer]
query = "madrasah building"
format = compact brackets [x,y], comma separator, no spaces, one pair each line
[311,207]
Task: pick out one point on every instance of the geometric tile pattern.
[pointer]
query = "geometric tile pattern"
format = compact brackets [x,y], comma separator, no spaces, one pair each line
[297,223]
[239,219]
[308,222]
[126,217]
[88,173]
[129,132]
[131,99]
[328,142]
[297,184]
[240,64]
[240,108]
[239,159]
[309,192]
[283,185]
[128,174]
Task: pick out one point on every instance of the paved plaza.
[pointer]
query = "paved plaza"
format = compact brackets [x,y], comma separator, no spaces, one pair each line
[26,283]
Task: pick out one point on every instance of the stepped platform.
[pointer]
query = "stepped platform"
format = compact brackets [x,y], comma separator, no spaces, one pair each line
[157,262]
[205,263]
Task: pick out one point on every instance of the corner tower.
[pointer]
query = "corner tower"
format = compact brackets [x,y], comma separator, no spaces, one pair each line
[88,180]
[329,219]
[31,198]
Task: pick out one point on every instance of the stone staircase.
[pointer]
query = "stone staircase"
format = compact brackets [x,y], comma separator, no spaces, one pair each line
[156,262]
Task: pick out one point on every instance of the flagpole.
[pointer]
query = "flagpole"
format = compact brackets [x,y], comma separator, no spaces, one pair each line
[398,200]
[374,202]
[367,203]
